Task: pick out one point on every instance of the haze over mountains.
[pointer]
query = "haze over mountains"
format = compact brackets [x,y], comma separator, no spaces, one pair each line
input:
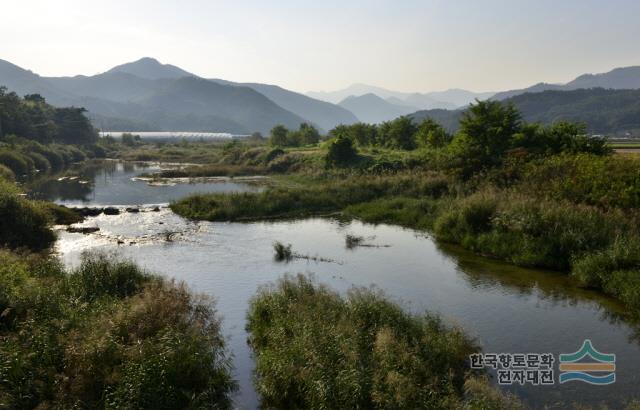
[607,103]
[449,99]
[371,108]
[625,78]
[146,95]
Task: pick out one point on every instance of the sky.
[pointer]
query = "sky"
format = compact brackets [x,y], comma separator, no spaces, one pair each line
[404,45]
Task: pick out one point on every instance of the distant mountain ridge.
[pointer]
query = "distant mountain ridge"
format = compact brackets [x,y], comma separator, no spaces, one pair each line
[323,114]
[604,111]
[148,95]
[449,99]
[373,109]
[152,69]
[623,78]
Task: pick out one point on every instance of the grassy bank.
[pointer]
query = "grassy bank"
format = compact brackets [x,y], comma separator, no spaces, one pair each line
[315,349]
[573,213]
[106,335]
[308,196]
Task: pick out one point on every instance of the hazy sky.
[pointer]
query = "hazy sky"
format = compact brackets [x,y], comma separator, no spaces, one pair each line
[408,45]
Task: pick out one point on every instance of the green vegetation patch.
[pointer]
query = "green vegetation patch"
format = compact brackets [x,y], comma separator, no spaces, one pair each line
[315,349]
[106,335]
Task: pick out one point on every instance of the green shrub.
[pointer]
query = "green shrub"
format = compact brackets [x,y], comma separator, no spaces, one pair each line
[23,223]
[40,162]
[62,215]
[6,173]
[467,218]
[283,252]
[331,195]
[615,269]
[528,231]
[19,164]
[99,276]
[341,152]
[273,154]
[56,160]
[158,347]
[605,181]
[479,395]
[317,350]
[416,213]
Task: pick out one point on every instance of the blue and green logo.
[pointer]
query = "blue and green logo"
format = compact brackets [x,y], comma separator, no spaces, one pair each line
[573,366]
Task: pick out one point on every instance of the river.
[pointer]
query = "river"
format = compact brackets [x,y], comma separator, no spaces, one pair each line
[507,309]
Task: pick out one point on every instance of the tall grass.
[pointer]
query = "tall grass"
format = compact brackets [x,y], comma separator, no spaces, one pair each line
[604,181]
[23,223]
[107,335]
[310,199]
[317,350]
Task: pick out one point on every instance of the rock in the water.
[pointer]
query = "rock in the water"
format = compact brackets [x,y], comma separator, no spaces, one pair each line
[155,209]
[111,211]
[133,210]
[89,211]
[83,229]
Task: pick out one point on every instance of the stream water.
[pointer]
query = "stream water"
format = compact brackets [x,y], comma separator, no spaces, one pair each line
[507,309]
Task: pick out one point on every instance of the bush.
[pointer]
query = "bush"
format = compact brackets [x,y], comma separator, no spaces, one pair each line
[604,181]
[6,173]
[155,345]
[341,152]
[315,349]
[17,163]
[99,276]
[62,215]
[40,162]
[283,252]
[615,269]
[23,223]
[273,154]
[56,160]
[527,231]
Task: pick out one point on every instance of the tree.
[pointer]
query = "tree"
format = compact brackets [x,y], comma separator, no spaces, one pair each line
[278,137]
[341,152]
[399,133]
[432,134]
[486,131]
[308,134]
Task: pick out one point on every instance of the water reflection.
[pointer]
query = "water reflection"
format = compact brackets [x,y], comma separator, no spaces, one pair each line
[112,183]
[507,309]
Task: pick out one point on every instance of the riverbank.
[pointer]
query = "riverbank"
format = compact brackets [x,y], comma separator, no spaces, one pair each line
[563,213]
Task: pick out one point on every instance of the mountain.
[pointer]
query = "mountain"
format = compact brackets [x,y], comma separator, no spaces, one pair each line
[449,99]
[425,101]
[26,82]
[618,78]
[198,97]
[604,111]
[321,113]
[148,95]
[151,69]
[113,86]
[357,90]
[459,97]
[371,108]
[537,88]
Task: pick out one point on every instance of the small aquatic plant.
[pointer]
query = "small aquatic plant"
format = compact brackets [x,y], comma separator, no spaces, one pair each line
[283,252]
[353,241]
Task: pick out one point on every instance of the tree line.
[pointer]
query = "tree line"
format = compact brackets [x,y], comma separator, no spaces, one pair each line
[32,118]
